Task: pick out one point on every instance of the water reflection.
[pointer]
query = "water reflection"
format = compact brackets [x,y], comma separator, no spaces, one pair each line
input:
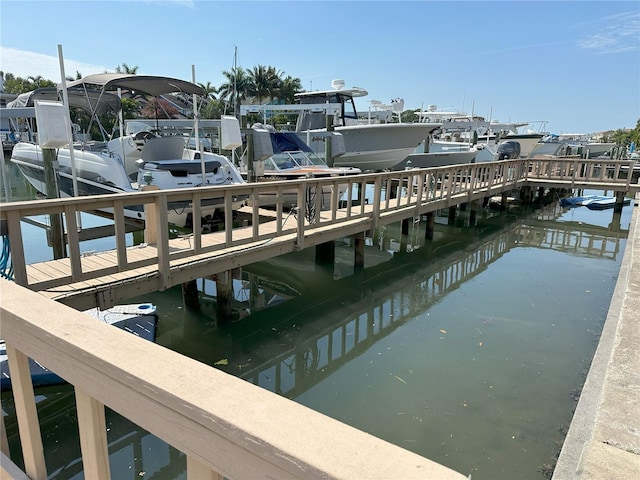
[470,350]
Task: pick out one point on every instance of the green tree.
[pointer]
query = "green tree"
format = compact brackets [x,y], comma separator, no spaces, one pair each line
[124,68]
[18,85]
[288,88]
[209,90]
[235,89]
[264,82]
[130,108]
[213,109]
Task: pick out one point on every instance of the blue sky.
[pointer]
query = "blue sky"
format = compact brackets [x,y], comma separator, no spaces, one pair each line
[574,64]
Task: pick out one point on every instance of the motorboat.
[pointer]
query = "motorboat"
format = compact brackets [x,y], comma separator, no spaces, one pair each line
[127,163]
[571,144]
[284,156]
[139,319]
[527,141]
[437,159]
[368,146]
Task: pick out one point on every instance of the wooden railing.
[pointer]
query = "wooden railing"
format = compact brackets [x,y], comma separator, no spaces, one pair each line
[224,425]
[376,199]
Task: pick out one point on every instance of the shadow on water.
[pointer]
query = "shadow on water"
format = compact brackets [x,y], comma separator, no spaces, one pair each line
[471,350]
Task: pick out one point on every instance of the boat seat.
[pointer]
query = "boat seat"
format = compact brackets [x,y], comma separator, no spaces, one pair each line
[182,168]
[162,148]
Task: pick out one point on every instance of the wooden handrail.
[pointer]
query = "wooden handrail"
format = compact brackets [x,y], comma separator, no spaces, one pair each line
[223,424]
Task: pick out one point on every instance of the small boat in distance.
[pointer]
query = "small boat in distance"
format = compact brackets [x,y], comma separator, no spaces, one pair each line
[592,202]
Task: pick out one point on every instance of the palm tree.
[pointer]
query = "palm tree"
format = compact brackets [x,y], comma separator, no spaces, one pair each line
[265,82]
[236,88]
[288,88]
[209,90]
[124,68]
[40,82]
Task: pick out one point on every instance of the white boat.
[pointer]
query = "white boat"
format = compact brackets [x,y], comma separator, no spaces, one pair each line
[108,166]
[527,141]
[461,132]
[287,157]
[580,144]
[437,159]
[375,146]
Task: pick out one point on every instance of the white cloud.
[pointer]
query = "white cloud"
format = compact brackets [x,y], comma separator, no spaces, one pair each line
[620,34]
[22,63]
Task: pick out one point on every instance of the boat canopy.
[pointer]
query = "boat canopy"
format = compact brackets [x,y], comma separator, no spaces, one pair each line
[92,101]
[347,92]
[149,84]
[283,142]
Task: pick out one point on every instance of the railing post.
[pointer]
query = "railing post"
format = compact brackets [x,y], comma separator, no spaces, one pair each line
[27,415]
[163,242]
[92,427]
[120,233]
[17,249]
[73,241]
[198,471]
[150,225]
[300,217]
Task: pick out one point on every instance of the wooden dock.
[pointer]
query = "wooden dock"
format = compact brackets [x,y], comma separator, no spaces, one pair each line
[87,279]
[243,431]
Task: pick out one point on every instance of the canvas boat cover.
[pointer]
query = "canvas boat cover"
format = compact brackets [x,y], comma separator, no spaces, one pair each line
[92,101]
[149,84]
[288,142]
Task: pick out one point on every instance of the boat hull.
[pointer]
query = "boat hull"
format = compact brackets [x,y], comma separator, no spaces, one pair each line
[437,159]
[374,147]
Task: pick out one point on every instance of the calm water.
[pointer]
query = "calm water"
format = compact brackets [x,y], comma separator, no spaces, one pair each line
[470,350]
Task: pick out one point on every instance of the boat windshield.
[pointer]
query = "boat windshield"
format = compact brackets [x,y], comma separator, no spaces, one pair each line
[348,114]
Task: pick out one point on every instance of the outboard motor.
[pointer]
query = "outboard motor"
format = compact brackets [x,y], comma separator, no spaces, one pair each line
[508,150]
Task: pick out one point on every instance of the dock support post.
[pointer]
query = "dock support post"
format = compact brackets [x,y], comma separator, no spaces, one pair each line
[503,200]
[525,195]
[405,226]
[428,233]
[472,213]
[452,215]
[358,253]
[326,256]
[617,207]
[56,233]
[224,295]
[190,295]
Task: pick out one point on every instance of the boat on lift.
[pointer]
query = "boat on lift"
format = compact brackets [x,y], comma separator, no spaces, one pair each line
[126,164]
